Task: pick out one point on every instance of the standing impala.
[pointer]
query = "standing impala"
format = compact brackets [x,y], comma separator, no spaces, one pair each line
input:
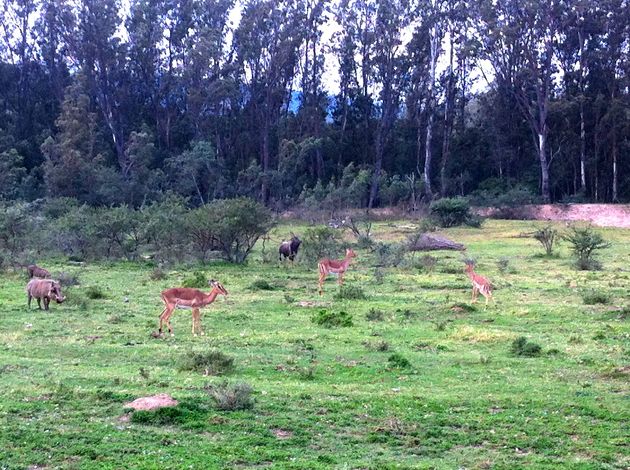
[329,266]
[187,298]
[480,284]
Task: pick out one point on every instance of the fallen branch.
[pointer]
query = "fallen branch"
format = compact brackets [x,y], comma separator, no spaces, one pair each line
[426,242]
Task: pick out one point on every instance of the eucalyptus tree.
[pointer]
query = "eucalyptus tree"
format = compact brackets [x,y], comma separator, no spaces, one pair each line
[520,40]
[267,43]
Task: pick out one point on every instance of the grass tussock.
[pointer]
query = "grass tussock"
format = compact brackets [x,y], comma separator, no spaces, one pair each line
[261,284]
[231,397]
[375,314]
[349,292]
[330,319]
[398,361]
[473,334]
[522,347]
[595,297]
[208,363]
[197,281]
[95,293]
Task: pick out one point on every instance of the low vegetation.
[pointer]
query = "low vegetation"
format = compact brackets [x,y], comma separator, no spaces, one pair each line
[412,376]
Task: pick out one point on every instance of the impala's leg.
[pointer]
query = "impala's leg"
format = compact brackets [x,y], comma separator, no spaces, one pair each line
[199,322]
[162,320]
[475,294]
[322,277]
[196,321]
[166,318]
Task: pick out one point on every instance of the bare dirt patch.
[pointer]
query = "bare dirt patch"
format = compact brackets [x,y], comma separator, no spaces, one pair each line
[282,433]
[152,403]
[602,215]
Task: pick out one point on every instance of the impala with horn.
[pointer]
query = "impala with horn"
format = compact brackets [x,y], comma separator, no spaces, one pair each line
[188,298]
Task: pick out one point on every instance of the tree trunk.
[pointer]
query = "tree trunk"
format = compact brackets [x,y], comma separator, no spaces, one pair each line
[544,166]
[582,124]
[448,121]
[428,154]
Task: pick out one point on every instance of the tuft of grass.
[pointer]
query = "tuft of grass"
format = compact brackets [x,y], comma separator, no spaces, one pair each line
[398,361]
[231,397]
[380,346]
[67,279]
[213,362]
[427,263]
[332,319]
[261,284]
[522,347]
[463,307]
[478,335]
[94,293]
[346,292]
[595,297]
[375,314]
[198,281]
[503,264]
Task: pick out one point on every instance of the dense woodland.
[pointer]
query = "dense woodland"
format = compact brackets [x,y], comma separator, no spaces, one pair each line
[114,102]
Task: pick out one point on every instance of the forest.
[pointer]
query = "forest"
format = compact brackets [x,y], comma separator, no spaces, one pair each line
[315,103]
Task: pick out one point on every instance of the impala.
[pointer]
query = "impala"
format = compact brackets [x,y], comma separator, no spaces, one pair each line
[187,298]
[480,284]
[329,266]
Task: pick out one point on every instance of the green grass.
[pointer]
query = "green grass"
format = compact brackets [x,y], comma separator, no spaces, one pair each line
[329,397]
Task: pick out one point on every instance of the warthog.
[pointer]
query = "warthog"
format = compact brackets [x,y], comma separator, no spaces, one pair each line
[289,248]
[36,271]
[44,289]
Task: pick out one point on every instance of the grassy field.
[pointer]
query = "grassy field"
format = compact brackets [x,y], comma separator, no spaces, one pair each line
[420,379]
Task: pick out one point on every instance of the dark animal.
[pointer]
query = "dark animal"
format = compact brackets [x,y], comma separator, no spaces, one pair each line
[45,289]
[36,271]
[289,248]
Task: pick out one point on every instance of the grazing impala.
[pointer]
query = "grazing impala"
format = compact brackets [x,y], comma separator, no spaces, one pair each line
[480,284]
[330,266]
[187,298]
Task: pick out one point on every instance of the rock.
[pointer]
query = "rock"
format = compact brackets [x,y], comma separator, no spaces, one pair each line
[152,403]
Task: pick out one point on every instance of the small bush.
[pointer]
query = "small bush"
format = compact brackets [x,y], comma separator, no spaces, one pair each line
[451,212]
[261,284]
[94,292]
[231,397]
[321,242]
[398,361]
[209,363]
[427,263]
[380,346]
[547,237]
[158,274]
[595,297]
[379,275]
[389,254]
[67,279]
[584,243]
[307,373]
[503,264]
[347,292]
[522,347]
[184,413]
[198,280]
[332,319]
[375,314]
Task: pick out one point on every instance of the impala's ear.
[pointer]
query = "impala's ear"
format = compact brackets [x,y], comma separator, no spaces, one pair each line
[211,282]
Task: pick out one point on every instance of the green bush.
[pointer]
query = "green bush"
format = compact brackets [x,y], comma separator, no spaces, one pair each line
[547,237]
[522,347]
[261,284]
[198,281]
[451,212]
[584,243]
[231,397]
[398,361]
[389,254]
[375,315]
[348,292]
[321,242]
[332,319]
[209,363]
[595,297]
[94,292]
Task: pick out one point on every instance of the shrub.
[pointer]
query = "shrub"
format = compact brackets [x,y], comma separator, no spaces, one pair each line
[584,243]
[522,347]
[158,274]
[398,361]
[595,297]
[332,319]
[231,397]
[375,315]
[209,363]
[261,284]
[427,263]
[184,413]
[450,212]
[321,242]
[503,264]
[198,280]
[547,237]
[232,226]
[380,346]
[347,292]
[67,279]
[94,292]
[389,254]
